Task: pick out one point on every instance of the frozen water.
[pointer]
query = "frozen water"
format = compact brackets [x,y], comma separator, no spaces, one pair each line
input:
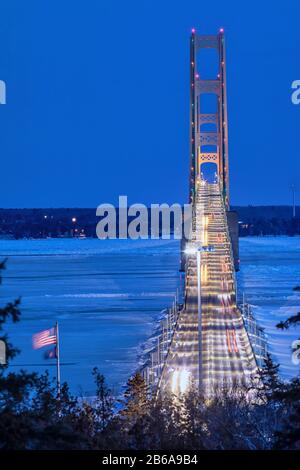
[270,269]
[108,297]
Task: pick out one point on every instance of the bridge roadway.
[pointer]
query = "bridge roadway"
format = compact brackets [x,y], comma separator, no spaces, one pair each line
[215,346]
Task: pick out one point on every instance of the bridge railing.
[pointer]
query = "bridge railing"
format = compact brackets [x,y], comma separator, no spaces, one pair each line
[230,245]
[256,334]
[153,369]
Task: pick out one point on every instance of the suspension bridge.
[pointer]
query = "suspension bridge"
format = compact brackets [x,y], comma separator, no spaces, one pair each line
[208,339]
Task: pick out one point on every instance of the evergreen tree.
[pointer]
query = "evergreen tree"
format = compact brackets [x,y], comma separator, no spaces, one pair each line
[269,376]
[104,403]
[134,416]
[294,320]
[15,388]
[136,401]
[166,426]
[288,435]
[194,419]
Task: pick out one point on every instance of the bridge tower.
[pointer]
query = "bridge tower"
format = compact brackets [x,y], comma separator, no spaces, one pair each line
[216,139]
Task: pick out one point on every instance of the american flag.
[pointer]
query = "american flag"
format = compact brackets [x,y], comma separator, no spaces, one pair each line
[44,338]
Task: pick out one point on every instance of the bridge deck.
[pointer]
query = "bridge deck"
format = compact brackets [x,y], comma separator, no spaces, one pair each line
[226,357]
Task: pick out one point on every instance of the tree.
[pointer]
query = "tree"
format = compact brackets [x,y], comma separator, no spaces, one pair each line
[288,435]
[12,311]
[167,423]
[136,402]
[294,320]
[103,404]
[15,388]
[134,415]
[269,377]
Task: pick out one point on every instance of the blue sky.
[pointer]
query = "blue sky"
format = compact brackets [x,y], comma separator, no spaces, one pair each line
[98,99]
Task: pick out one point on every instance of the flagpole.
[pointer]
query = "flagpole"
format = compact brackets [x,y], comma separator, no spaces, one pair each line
[57,360]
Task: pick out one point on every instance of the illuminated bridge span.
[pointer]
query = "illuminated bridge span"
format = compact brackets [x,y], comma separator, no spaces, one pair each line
[210,345]
[205,341]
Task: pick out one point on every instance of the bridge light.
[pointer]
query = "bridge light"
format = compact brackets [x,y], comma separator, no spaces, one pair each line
[180,381]
[184,380]
[175,381]
[190,250]
[193,30]
[221,30]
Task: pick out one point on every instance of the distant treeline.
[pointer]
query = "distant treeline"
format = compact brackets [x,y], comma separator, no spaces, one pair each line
[268,220]
[43,223]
